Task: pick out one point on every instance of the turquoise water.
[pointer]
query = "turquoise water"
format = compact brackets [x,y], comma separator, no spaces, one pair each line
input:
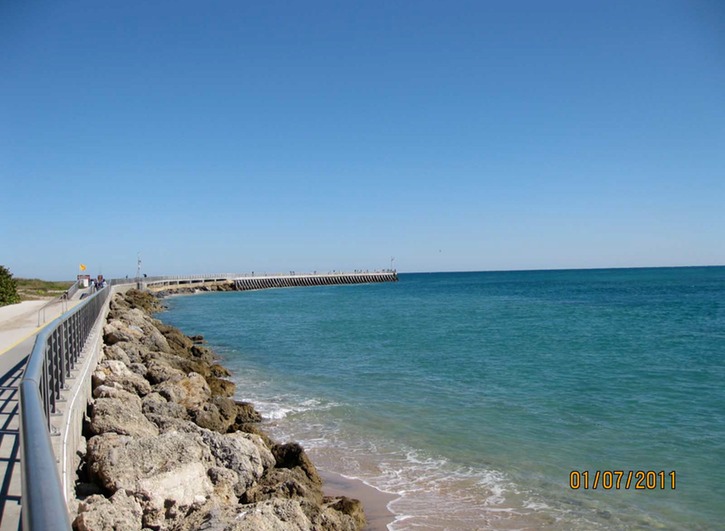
[474,395]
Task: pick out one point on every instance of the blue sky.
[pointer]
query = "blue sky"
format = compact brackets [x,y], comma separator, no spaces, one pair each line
[278,136]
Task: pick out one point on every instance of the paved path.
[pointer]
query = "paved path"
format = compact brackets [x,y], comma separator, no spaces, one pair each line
[20,321]
[19,325]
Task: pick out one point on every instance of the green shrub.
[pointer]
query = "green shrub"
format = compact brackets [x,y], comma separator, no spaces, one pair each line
[8,287]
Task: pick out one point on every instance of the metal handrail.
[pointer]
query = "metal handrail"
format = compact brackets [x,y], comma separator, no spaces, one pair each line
[54,355]
[72,290]
[62,299]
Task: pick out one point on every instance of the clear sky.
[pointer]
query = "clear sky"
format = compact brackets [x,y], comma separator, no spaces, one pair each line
[230,136]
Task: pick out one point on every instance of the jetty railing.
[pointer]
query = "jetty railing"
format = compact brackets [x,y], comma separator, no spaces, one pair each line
[54,356]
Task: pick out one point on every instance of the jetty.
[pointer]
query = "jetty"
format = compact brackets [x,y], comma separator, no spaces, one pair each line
[46,385]
[250,281]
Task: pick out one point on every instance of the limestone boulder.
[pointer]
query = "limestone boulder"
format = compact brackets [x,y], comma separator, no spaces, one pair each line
[246,413]
[240,454]
[155,404]
[284,483]
[165,471]
[116,331]
[292,455]
[115,352]
[136,317]
[122,416]
[220,386]
[155,340]
[134,351]
[142,299]
[114,391]
[192,391]
[272,515]
[342,513]
[111,372]
[120,512]
[224,481]
[217,415]
[158,372]
[176,340]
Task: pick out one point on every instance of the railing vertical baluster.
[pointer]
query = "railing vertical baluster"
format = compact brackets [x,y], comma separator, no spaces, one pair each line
[54,356]
[63,358]
[44,391]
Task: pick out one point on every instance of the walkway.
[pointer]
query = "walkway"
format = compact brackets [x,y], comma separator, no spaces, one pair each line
[19,324]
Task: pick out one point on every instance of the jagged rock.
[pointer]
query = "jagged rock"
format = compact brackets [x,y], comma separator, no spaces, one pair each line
[202,353]
[219,371]
[113,391]
[144,300]
[116,331]
[272,515]
[155,404]
[292,455]
[122,416]
[192,391]
[176,340]
[115,352]
[239,453]
[167,424]
[156,341]
[246,413]
[224,481]
[218,415]
[221,387]
[157,372]
[161,472]
[184,364]
[109,372]
[209,417]
[136,352]
[349,507]
[120,512]
[135,317]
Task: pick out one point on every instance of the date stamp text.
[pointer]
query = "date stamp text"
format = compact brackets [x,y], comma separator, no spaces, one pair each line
[622,480]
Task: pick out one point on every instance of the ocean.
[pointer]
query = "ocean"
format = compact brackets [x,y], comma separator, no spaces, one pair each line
[493,400]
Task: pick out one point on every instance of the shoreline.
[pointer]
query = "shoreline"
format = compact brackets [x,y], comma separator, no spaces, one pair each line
[375,501]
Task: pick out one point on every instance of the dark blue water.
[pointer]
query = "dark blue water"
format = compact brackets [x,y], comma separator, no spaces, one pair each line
[474,395]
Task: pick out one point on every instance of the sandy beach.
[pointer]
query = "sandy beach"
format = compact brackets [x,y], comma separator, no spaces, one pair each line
[375,502]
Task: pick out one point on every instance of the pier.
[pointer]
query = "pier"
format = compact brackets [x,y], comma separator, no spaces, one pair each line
[250,281]
[288,281]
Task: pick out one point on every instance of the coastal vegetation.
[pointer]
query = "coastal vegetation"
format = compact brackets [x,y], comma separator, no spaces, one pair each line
[34,288]
[8,287]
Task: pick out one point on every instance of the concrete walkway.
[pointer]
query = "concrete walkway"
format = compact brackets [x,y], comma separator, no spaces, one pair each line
[20,321]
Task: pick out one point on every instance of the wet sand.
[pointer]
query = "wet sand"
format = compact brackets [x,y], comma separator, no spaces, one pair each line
[375,502]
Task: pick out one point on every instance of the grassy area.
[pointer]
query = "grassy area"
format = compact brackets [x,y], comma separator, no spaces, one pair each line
[33,289]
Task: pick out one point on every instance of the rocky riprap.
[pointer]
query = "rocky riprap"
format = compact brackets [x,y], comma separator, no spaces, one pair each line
[168,448]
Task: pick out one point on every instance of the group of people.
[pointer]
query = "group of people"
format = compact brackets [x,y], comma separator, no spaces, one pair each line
[98,283]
